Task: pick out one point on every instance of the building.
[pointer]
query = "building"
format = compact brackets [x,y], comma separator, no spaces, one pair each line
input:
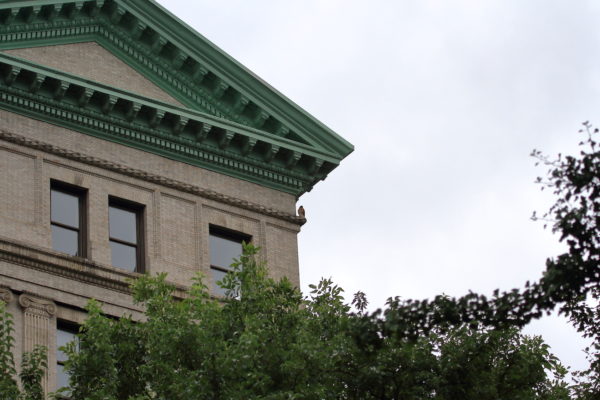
[130,144]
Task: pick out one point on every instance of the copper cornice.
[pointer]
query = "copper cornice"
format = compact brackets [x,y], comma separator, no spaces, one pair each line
[177,58]
[170,131]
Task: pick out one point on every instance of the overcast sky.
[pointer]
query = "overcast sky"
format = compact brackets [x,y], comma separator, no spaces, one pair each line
[444,101]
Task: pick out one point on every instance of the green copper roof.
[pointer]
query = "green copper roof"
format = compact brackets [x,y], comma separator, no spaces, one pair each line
[232,122]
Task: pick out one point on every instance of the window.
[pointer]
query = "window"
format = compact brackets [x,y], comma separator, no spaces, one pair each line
[67,218]
[224,247]
[65,333]
[125,234]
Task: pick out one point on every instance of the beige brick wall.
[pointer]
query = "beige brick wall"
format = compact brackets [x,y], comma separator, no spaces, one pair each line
[279,250]
[91,61]
[176,234]
[130,157]
[176,223]
[176,227]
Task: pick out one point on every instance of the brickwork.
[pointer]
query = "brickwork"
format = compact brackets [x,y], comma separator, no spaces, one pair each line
[176,235]
[180,203]
[176,224]
[91,61]
[148,163]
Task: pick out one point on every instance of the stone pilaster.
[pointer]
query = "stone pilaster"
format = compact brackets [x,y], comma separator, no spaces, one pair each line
[37,315]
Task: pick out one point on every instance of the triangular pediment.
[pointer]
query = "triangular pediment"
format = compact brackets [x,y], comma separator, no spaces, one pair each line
[207,108]
[91,61]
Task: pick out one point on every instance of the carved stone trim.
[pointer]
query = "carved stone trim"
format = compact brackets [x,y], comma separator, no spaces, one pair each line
[179,62]
[64,271]
[69,267]
[140,56]
[152,136]
[36,305]
[148,177]
[6,295]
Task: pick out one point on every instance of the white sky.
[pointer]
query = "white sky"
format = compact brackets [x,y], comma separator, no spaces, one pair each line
[444,101]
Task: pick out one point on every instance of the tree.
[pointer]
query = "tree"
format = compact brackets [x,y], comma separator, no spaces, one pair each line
[32,366]
[576,216]
[267,341]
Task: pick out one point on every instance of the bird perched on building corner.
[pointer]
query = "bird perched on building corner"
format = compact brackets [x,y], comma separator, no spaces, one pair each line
[301,212]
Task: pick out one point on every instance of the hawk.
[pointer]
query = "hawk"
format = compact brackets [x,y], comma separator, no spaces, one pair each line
[301,212]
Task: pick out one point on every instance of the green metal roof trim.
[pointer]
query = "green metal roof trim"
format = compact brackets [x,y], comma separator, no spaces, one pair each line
[174,132]
[264,130]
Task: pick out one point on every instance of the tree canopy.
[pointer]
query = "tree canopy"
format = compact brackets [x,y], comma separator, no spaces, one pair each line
[266,340]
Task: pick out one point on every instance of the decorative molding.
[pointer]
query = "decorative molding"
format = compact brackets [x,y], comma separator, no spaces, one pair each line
[176,58]
[174,132]
[60,267]
[148,177]
[68,267]
[6,295]
[36,305]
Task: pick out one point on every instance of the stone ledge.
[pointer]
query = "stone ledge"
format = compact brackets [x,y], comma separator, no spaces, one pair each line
[71,267]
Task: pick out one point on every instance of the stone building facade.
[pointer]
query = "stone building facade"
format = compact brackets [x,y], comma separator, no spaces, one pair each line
[130,144]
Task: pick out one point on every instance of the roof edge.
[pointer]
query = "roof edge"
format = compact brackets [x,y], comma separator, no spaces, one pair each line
[178,133]
[251,83]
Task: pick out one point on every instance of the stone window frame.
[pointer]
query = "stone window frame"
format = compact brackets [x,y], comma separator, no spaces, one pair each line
[82,231]
[139,210]
[228,234]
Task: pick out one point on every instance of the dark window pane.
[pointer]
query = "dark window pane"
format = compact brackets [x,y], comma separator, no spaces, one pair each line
[217,275]
[123,256]
[62,378]
[65,240]
[62,338]
[64,208]
[64,334]
[223,251]
[123,224]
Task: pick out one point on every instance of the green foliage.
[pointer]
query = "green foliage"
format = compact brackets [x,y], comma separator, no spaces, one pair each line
[33,368]
[569,282]
[499,364]
[8,384]
[33,365]
[576,216]
[266,341]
